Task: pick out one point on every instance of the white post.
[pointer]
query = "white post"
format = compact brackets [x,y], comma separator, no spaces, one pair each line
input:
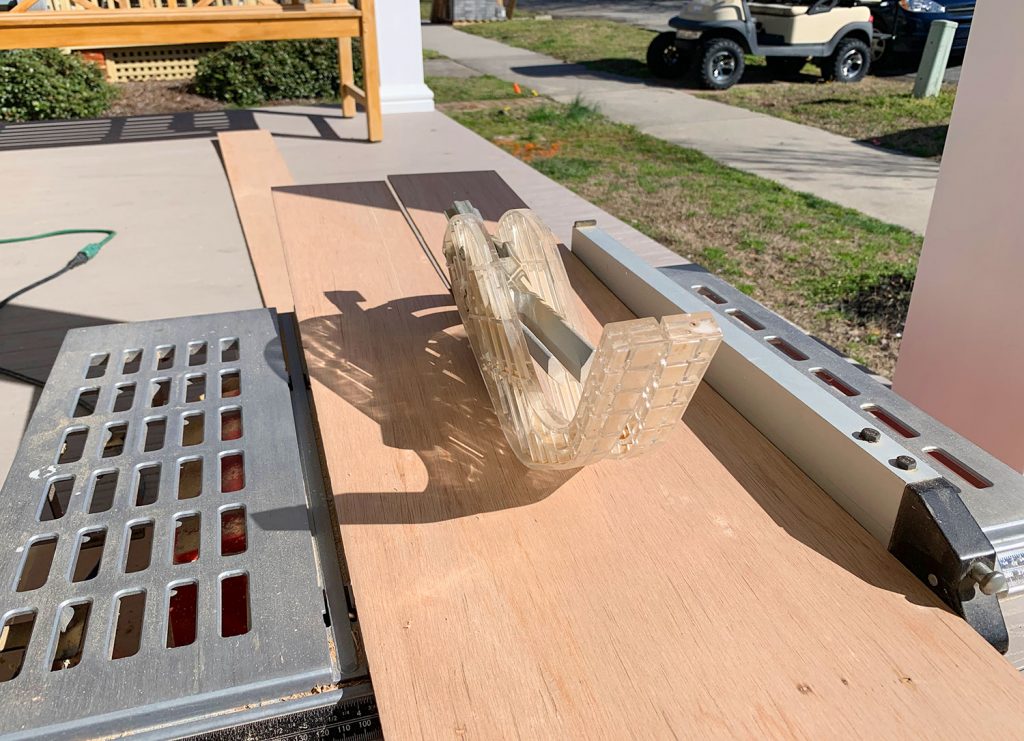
[935,58]
[962,356]
[401,58]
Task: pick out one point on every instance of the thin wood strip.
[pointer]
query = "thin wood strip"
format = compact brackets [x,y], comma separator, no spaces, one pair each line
[707,589]
[254,166]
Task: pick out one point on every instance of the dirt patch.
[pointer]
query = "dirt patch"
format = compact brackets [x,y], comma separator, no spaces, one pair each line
[884,300]
[158,96]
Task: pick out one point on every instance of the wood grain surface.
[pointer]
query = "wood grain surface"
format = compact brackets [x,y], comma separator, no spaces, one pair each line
[254,166]
[425,198]
[707,589]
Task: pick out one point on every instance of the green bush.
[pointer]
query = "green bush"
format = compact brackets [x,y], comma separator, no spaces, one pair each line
[253,72]
[40,84]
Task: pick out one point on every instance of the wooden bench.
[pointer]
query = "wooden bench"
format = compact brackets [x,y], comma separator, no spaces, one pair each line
[99,23]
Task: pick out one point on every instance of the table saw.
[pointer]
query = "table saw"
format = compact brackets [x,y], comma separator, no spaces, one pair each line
[264,524]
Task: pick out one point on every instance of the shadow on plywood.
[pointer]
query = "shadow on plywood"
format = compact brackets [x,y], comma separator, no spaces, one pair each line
[468,461]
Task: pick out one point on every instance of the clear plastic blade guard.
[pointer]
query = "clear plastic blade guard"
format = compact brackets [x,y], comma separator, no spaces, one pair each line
[518,308]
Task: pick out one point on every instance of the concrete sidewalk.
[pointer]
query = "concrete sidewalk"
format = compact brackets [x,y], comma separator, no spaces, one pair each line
[891,187]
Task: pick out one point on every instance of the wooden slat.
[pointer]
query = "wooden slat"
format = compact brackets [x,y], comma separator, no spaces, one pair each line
[254,166]
[707,589]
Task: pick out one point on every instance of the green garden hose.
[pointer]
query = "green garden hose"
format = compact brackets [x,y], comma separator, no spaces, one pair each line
[81,257]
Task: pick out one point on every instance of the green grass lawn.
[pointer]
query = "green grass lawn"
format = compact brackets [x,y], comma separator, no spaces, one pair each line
[835,272]
[878,110]
[598,44]
[460,89]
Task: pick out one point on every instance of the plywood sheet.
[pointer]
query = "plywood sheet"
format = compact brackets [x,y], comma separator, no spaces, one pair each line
[254,166]
[426,197]
[708,589]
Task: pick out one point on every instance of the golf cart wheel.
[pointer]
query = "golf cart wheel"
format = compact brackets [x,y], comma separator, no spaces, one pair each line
[785,67]
[664,59]
[721,64]
[849,63]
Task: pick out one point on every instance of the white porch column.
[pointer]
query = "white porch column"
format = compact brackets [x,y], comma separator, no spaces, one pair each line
[401,58]
[962,356]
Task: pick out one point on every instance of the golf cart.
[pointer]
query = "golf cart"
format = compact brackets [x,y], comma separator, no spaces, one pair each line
[716,34]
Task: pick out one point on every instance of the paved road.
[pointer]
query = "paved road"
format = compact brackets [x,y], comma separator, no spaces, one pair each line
[891,187]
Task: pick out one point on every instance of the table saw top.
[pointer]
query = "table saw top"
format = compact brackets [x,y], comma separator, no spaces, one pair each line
[708,588]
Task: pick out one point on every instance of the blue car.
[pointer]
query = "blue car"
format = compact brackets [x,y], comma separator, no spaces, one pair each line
[901,26]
